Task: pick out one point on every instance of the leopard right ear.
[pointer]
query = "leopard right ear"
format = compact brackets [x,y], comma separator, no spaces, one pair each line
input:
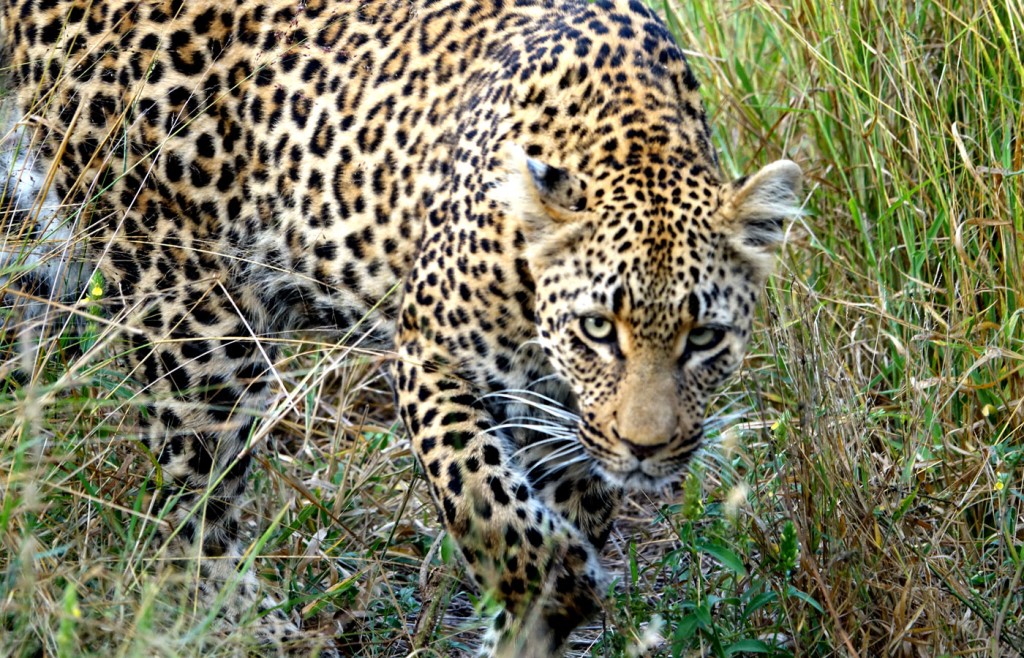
[539,192]
[548,202]
[556,188]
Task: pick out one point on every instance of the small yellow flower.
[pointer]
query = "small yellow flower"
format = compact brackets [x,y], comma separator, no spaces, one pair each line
[988,410]
[96,286]
[999,485]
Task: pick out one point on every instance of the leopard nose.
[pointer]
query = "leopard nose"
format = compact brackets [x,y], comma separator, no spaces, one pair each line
[644,450]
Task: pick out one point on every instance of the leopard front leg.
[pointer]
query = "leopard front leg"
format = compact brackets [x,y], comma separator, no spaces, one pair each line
[541,568]
[206,379]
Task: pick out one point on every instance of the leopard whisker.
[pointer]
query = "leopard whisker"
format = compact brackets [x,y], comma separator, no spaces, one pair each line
[719,421]
[526,391]
[557,454]
[556,433]
[525,423]
[538,444]
[547,404]
[526,418]
[580,459]
[730,409]
[565,465]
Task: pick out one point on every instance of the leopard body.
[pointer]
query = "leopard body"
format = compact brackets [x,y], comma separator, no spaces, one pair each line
[520,198]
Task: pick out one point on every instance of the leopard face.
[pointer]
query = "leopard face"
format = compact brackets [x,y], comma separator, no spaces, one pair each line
[645,297]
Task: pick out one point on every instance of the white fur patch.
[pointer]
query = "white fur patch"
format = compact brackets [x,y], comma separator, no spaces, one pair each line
[42,250]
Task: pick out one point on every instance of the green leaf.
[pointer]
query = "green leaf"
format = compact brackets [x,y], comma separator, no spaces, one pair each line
[687,627]
[758,602]
[907,501]
[703,613]
[449,549]
[729,559]
[748,646]
[806,598]
[67,642]
[634,568]
[685,631]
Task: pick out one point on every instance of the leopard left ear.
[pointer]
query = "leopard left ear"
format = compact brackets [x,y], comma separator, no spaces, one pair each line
[757,207]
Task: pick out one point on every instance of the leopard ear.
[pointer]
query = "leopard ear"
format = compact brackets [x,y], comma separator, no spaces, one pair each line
[537,192]
[757,207]
[556,188]
[546,201]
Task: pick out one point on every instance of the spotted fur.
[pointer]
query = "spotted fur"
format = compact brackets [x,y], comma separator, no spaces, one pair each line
[520,198]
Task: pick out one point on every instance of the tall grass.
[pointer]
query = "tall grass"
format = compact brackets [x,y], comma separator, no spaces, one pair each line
[888,379]
[870,503]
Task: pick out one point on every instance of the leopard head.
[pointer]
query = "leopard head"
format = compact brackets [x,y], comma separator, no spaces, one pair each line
[646,283]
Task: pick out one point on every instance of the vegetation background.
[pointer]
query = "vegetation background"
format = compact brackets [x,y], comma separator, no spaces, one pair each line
[869,503]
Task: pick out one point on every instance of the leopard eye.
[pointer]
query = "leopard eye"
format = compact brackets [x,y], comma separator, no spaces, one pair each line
[598,329]
[704,338]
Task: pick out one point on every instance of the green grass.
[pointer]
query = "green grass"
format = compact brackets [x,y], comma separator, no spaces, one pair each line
[870,504]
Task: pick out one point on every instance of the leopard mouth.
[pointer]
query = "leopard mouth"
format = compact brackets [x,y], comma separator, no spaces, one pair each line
[634,479]
[637,478]
[647,475]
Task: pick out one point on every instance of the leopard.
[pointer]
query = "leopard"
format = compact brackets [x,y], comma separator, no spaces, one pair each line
[519,200]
